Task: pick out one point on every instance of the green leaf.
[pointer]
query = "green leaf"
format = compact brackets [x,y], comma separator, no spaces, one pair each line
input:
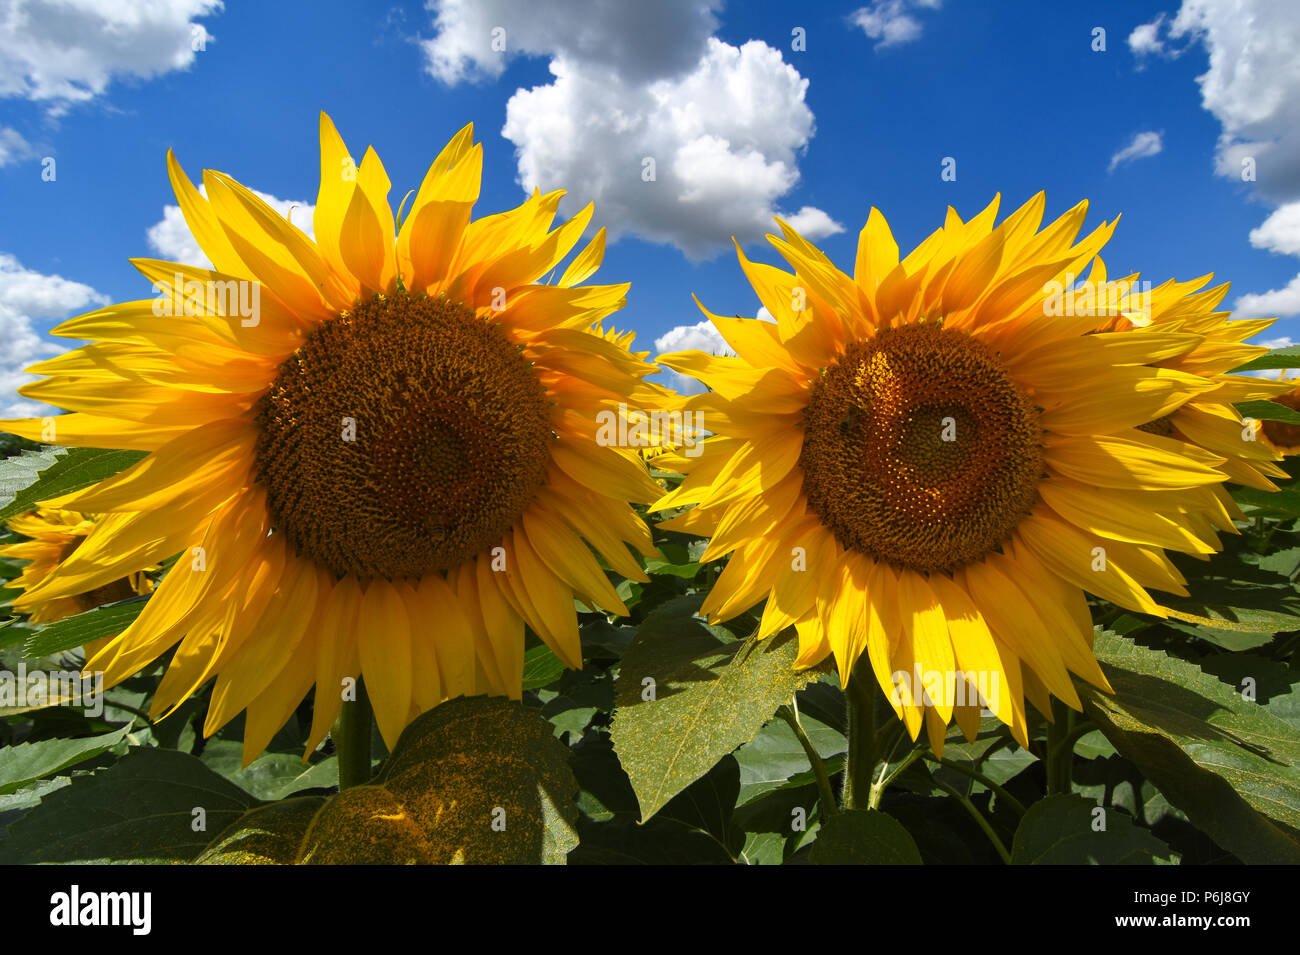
[1268,411]
[1224,761]
[1285,501]
[61,471]
[20,471]
[864,837]
[1287,357]
[80,629]
[710,694]
[27,762]
[541,667]
[774,757]
[272,775]
[140,809]
[1059,830]
[658,565]
[267,835]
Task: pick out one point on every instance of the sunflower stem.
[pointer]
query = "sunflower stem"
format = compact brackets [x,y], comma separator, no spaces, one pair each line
[1060,749]
[352,739]
[859,767]
[826,797]
[998,845]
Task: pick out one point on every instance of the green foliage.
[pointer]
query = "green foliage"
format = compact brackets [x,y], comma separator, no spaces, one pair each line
[35,476]
[1071,830]
[688,694]
[864,837]
[681,742]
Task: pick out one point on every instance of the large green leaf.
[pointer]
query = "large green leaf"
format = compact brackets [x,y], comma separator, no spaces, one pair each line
[143,808]
[27,762]
[36,476]
[710,694]
[1226,762]
[1067,830]
[80,629]
[864,837]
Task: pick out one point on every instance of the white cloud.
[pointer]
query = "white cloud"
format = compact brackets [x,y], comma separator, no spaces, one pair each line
[69,51]
[1277,303]
[1145,38]
[1280,232]
[1252,86]
[1283,342]
[13,147]
[640,41]
[1144,144]
[678,137]
[170,237]
[811,223]
[890,22]
[699,337]
[26,296]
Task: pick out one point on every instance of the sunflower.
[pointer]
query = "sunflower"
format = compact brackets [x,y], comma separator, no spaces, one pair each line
[928,465]
[373,451]
[53,536]
[1282,437]
[1210,420]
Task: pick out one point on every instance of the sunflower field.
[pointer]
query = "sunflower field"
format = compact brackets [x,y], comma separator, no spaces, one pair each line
[387,546]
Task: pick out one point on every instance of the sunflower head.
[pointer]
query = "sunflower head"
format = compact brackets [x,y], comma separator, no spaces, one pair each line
[1209,421]
[374,450]
[928,463]
[54,534]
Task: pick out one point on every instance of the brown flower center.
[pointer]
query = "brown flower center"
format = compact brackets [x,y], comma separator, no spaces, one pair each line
[401,438]
[920,450]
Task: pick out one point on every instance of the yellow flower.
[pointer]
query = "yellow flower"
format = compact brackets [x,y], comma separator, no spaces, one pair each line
[54,535]
[930,462]
[1209,420]
[373,451]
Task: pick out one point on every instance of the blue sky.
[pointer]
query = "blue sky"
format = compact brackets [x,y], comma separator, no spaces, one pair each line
[1012,91]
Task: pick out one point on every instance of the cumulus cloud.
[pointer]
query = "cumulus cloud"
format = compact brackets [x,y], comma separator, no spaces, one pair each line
[678,137]
[1275,303]
[1280,232]
[69,51]
[701,336]
[640,41]
[1144,144]
[170,237]
[890,22]
[1252,86]
[27,296]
